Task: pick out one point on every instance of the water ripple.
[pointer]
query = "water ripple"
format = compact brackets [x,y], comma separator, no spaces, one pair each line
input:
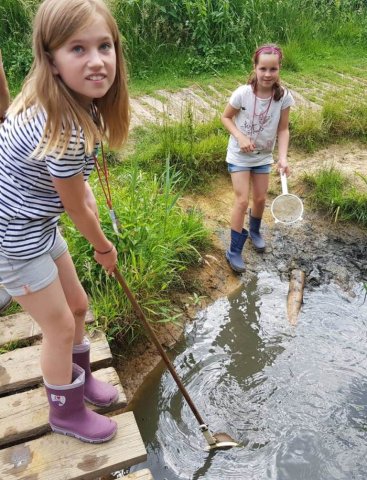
[296,397]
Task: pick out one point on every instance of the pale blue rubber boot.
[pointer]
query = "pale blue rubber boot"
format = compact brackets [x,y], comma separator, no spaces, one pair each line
[233,254]
[254,233]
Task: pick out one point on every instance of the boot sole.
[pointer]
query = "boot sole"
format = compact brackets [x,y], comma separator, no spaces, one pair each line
[80,437]
[233,268]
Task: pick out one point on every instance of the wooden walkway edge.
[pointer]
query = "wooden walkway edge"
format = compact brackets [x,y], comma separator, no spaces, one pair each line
[28,448]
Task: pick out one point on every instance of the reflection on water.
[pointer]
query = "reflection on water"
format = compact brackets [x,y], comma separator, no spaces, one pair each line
[295,396]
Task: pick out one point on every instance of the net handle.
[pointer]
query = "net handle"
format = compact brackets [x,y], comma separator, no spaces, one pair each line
[283,179]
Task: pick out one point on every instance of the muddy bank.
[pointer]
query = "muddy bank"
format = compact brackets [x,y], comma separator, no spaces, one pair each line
[326,251]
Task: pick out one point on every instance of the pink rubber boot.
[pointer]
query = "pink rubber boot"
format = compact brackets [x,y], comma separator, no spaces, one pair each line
[99,393]
[70,416]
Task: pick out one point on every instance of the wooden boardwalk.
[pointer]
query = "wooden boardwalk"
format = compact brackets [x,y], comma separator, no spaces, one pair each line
[28,448]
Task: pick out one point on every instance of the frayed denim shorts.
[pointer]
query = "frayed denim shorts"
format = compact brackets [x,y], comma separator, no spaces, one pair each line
[244,168]
[20,277]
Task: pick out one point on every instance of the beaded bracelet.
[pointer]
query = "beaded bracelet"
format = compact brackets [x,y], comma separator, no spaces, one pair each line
[104,253]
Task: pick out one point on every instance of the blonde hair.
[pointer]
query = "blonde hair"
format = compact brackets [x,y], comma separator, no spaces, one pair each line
[270,49]
[55,22]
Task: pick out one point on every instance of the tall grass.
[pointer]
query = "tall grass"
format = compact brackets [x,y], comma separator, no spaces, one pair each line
[195,149]
[15,39]
[217,33]
[333,192]
[192,36]
[158,241]
[198,150]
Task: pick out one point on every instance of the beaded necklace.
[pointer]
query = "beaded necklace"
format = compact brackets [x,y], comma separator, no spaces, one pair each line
[262,118]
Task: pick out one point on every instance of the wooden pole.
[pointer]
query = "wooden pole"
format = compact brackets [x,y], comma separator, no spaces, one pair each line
[295,295]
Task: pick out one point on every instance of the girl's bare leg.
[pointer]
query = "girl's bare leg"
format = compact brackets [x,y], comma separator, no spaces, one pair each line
[50,310]
[59,309]
[260,185]
[241,188]
[74,293]
[95,391]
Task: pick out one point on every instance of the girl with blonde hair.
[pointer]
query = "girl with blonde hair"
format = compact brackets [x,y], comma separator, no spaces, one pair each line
[74,97]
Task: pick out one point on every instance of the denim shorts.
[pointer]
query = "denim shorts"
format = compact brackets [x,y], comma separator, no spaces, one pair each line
[244,168]
[20,277]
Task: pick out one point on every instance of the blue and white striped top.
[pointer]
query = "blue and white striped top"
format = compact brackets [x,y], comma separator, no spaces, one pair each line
[30,207]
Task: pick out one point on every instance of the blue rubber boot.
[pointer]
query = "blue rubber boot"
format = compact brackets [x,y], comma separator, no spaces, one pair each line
[233,254]
[254,232]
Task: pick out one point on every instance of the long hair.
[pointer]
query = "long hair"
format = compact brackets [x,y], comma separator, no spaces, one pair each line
[55,22]
[268,48]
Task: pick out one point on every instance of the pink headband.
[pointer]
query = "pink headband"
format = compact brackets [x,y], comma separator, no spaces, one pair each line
[269,49]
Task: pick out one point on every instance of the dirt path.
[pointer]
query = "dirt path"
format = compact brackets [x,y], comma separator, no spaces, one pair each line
[324,250]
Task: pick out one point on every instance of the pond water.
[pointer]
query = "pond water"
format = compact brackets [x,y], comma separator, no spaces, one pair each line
[296,397]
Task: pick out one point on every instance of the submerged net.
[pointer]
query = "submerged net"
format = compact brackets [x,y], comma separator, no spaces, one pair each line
[287,208]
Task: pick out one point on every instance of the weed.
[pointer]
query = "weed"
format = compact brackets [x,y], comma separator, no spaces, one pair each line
[195,150]
[157,242]
[336,194]
[197,299]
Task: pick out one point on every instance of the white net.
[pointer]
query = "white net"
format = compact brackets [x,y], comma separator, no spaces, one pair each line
[287,208]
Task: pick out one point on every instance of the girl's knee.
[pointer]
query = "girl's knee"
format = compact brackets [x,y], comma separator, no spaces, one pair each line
[63,332]
[259,201]
[242,204]
[80,307]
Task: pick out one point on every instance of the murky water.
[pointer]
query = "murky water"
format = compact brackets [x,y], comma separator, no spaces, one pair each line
[295,396]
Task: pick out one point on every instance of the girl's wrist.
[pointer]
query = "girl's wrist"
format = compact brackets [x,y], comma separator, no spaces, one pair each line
[104,251]
[240,135]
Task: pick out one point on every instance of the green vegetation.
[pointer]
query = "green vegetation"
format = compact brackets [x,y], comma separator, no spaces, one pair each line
[172,40]
[158,241]
[338,196]
[195,149]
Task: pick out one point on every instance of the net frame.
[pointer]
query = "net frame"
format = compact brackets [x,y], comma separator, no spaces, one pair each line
[293,197]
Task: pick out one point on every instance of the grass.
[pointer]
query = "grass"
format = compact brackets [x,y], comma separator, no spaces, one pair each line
[170,41]
[157,243]
[334,193]
[195,149]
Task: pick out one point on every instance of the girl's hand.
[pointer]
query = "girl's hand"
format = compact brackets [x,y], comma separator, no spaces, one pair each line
[245,143]
[107,260]
[283,167]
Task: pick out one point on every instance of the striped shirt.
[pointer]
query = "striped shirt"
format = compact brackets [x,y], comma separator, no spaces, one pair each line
[30,207]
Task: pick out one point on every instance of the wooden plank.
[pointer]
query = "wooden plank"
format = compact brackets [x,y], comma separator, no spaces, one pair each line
[140,475]
[25,415]
[58,457]
[21,368]
[21,326]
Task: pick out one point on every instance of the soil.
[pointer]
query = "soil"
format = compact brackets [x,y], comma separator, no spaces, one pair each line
[323,249]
